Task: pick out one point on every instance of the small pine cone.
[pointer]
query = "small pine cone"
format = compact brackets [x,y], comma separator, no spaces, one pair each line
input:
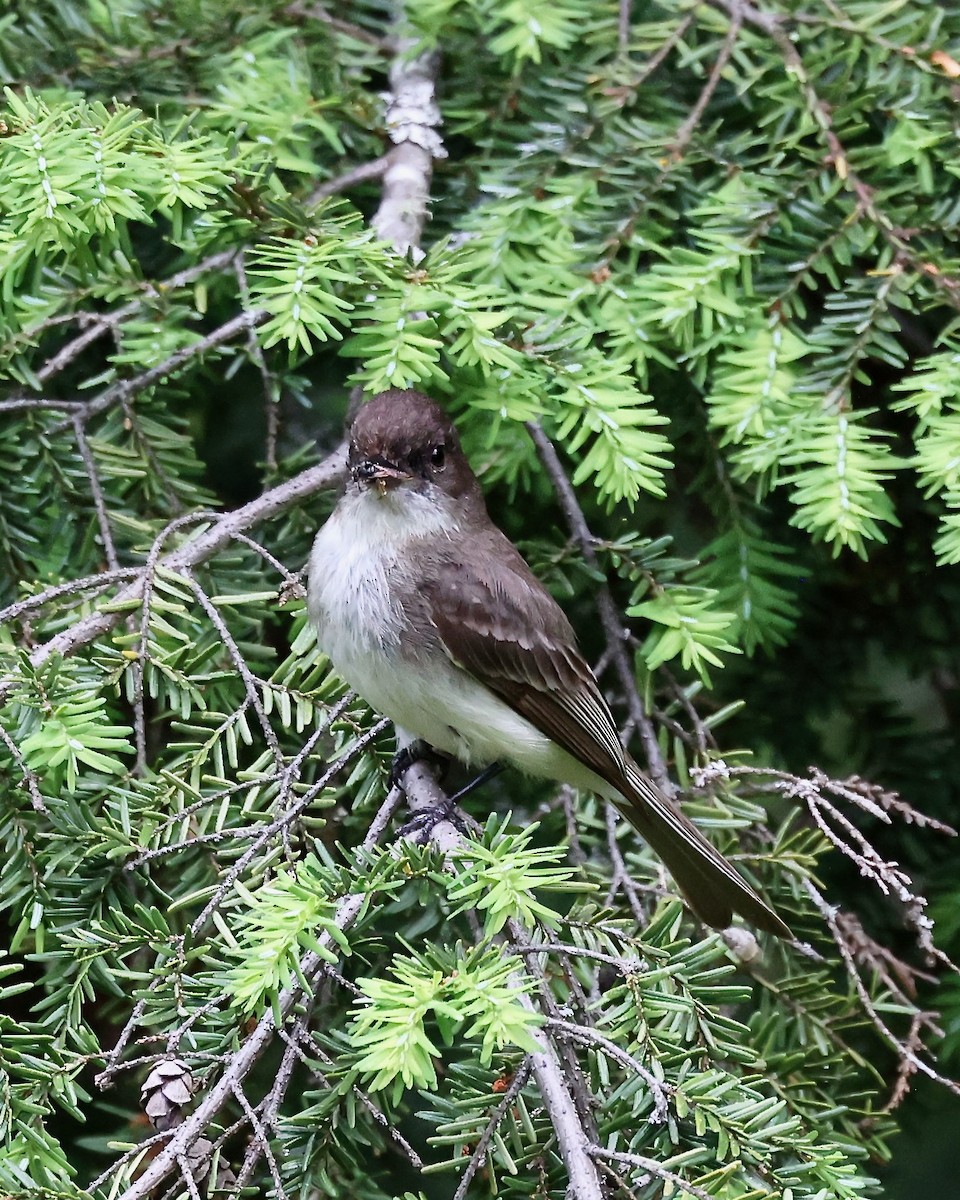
[200,1156]
[226,1177]
[165,1092]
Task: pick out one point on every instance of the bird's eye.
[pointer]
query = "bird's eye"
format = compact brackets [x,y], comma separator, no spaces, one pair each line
[437,457]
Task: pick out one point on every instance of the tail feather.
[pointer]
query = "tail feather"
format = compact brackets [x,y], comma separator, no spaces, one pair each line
[712,887]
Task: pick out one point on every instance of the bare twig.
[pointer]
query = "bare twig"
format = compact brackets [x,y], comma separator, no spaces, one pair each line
[96,493]
[271,389]
[663,51]
[29,777]
[480,1149]
[280,823]
[15,404]
[623,25]
[274,1098]
[775,26]
[904,1051]
[126,389]
[572,1137]
[99,324]
[288,576]
[687,129]
[363,173]
[240,1064]
[240,663]
[651,1168]
[72,587]
[620,877]
[592,1038]
[387,1125]
[261,1139]
[143,645]
[317,12]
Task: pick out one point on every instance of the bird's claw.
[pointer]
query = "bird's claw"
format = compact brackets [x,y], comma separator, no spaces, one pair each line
[422,824]
[416,751]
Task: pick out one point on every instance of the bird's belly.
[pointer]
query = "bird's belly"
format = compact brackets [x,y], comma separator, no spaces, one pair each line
[449,710]
[367,638]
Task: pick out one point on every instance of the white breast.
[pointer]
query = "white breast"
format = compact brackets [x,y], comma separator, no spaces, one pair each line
[359,557]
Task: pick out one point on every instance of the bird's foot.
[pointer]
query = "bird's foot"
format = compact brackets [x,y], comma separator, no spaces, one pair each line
[421,825]
[416,751]
[477,781]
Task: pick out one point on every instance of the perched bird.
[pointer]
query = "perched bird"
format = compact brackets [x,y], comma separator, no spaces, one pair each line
[428,611]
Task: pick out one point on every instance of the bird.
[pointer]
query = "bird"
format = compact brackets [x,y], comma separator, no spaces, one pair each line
[431,614]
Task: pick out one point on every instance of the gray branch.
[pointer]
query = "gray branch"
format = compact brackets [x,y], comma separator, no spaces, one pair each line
[412,121]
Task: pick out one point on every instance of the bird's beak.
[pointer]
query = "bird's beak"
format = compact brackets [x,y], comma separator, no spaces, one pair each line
[379,472]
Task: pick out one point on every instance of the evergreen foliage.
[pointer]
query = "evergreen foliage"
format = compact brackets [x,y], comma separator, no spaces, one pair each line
[690,286]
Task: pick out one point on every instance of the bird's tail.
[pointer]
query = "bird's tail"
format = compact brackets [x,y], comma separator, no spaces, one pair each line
[712,887]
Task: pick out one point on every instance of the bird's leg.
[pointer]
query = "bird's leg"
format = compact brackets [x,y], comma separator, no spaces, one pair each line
[409,752]
[421,825]
[478,781]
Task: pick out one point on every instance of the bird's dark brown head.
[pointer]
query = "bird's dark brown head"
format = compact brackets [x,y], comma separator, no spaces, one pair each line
[405,438]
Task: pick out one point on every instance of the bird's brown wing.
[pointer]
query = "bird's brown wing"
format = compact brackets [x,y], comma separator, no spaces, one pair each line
[507,631]
[496,620]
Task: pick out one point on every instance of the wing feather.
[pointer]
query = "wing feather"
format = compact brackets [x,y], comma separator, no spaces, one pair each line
[496,621]
[508,632]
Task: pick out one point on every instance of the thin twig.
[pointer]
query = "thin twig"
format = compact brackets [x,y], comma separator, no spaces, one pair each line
[270,1105]
[143,644]
[563,1087]
[774,26]
[240,663]
[286,779]
[651,1167]
[620,877]
[96,494]
[663,51]
[186,1173]
[100,324]
[517,1084]
[99,582]
[271,389]
[362,173]
[687,129]
[592,1038]
[260,1137]
[125,389]
[387,1125]
[15,404]
[280,823]
[282,570]
[29,777]
[317,12]
[623,25]
[903,1052]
